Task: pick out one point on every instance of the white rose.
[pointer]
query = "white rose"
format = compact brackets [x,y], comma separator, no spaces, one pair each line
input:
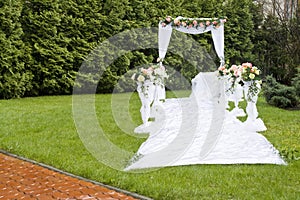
[251,76]
[141,78]
[257,72]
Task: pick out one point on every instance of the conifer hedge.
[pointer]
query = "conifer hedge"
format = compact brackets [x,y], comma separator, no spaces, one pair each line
[44,42]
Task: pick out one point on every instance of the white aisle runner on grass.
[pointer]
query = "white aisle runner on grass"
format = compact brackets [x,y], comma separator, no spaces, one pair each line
[199,130]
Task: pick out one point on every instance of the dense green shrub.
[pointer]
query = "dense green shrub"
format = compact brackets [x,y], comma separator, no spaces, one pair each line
[280,95]
[15,76]
[296,82]
[45,42]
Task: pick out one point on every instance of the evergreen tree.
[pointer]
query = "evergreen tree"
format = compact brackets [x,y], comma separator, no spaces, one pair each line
[258,38]
[238,31]
[52,66]
[15,80]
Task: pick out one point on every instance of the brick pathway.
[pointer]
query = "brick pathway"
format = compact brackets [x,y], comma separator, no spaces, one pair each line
[21,179]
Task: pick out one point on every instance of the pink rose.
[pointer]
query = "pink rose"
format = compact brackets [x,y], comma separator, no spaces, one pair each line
[247,65]
[168,19]
[236,73]
[195,23]
[221,68]
[233,67]
[144,71]
[240,68]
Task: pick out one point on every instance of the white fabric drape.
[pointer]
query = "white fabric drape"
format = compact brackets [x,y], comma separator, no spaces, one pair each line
[164,36]
[218,38]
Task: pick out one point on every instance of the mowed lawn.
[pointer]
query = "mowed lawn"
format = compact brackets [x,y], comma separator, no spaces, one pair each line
[43,129]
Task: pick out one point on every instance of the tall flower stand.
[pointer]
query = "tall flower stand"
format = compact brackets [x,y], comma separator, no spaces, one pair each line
[227,92]
[159,97]
[236,96]
[253,122]
[146,91]
[233,94]
[150,95]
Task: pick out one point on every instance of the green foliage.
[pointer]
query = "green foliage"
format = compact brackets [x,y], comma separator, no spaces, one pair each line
[238,31]
[15,80]
[290,153]
[59,36]
[48,41]
[296,83]
[280,95]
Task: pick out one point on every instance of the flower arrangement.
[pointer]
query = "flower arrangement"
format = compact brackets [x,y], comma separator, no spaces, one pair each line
[249,72]
[242,74]
[154,73]
[232,73]
[193,22]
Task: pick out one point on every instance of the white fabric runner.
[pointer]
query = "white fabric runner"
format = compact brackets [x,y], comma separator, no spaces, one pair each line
[199,130]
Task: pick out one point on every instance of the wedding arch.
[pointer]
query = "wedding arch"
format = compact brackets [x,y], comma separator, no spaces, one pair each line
[216,27]
[192,26]
[156,90]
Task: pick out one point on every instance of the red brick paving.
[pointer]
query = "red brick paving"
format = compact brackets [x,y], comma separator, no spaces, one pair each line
[20,179]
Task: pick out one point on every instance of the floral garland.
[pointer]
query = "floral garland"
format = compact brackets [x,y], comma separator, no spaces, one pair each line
[193,22]
[242,74]
[154,73]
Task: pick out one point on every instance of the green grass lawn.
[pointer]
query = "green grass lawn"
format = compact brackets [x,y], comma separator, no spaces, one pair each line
[43,129]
